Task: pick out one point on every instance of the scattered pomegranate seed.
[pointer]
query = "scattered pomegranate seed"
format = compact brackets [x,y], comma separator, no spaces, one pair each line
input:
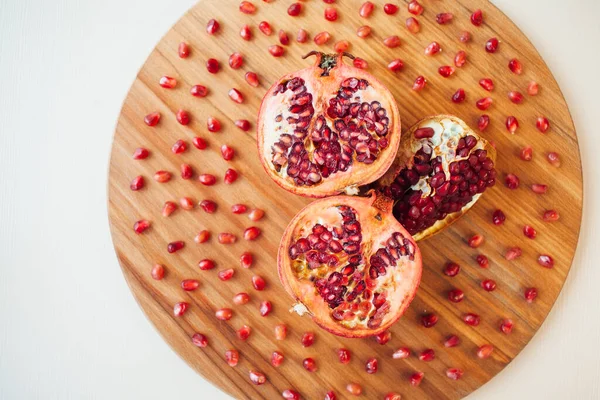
[137,183]
[212,26]
[446,71]
[413,25]
[532,88]
[460,59]
[482,260]
[208,206]
[322,38]
[276,50]
[212,66]
[284,39]
[416,378]
[401,353]
[224,314]
[477,18]
[419,84]
[531,294]
[454,373]
[459,96]
[162,176]
[452,269]
[396,65]
[226,274]
[199,143]
[244,332]
[186,203]
[232,357]
[392,41]
[168,208]
[360,63]
[487,84]
[301,36]
[280,331]
[429,320]
[265,308]
[456,295]
[167,82]
[175,246]
[241,299]
[542,124]
[276,360]
[256,214]
[415,8]
[513,253]
[199,340]
[179,147]
[341,46]
[383,337]
[427,355]
[158,272]
[452,341]
[390,9]
[189,284]
[539,188]
[498,217]
[258,282]
[180,308]
[553,158]
[207,179]
[152,119]
[506,326]
[550,216]
[491,46]
[331,14]
[246,33]
[344,356]
[464,37]
[354,389]
[366,9]
[309,364]
[471,319]
[527,153]
[515,97]
[392,396]
[488,285]
[247,8]
[483,122]
[444,18]
[199,91]
[183,50]
[546,261]
[202,236]
[363,31]
[512,181]
[295,9]
[484,104]
[371,365]
[432,49]
[227,238]
[475,241]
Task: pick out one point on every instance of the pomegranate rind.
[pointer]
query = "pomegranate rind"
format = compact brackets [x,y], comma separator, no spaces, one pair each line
[358,174]
[404,159]
[406,280]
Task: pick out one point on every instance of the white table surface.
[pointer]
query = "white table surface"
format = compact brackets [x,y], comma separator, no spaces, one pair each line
[69,326]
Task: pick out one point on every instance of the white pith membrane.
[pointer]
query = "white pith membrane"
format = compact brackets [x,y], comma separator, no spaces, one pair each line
[445,174]
[361,282]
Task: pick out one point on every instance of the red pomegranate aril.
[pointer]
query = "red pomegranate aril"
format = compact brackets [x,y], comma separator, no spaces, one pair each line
[284,38]
[244,332]
[158,272]
[515,97]
[186,203]
[491,46]
[309,364]
[199,340]
[212,26]
[212,66]
[243,124]
[206,264]
[539,188]
[482,260]
[183,50]
[487,84]
[265,28]
[252,233]
[545,261]
[207,179]
[241,299]
[344,356]
[427,355]
[419,84]
[180,308]
[532,88]
[475,241]
[224,314]
[471,319]
[371,366]
[401,353]
[199,143]
[162,176]
[186,171]
[432,49]
[199,91]
[179,147]
[464,37]
[526,153]
[484,104]
[390,9]
[354,389]
[331,14]
[321,38]
[529,232]
[512,181]
[280,332]
[276,360]
[140,153]
[413,25]
[258,282]
[366,9]
[246,33]
[226,274]
[415,8]
[488,285]
[445,71]
[553,158]
[202,236]
[141,226]
[308,338]
[530,294]
[483,122]
[444,18]
[396,65]
[257,378]
[276,50]
[542,124]
[477,17]
[456,295]
[454,373]
[227,238]
[208,206]
[189,284]
[429,320]
[452,341]
[452,269]
[513,253]
[506,326]
[236,60]
[152,119]
[246,260]
[239,208]
[550,216]
[383,337]
[175,246]
[416,378]
[459,96]
[460,59]
[137,183]
[236,96]
[295,9]
[265,308]
[256,214]
[392,41]
[247,7]
[168,208]
[232,357]
[360,63]
[252,80]
[167,82]
[301,36]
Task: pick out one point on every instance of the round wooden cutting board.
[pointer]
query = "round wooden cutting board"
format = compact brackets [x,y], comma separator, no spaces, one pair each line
[139,252]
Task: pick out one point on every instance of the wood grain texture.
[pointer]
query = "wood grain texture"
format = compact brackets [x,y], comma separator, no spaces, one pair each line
[138,253]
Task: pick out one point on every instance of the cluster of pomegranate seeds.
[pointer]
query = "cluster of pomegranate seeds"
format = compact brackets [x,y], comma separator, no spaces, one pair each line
[152,119]
[416,378]
[241,298]
[390,9]
[258,378]
[429,320]
[471,319]
[212,66]
[232,357]
[174,247]
[276,50]
[224,314]
[452,269]
[167,82]
[454,373]
[444,18]
[276,358]
[371,366]
[294,9]
[309,364]
[401,353]
[415,8]
[180,308]
[413,25]
[530,294]
[354,389]
[158,272]
[198,91]
[477,17]
[427,355]
[344,356]
[280,332]
[199,340]
[452,341]
[456,295]
[212,26]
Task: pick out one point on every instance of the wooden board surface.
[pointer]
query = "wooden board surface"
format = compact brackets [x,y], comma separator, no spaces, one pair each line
[138,253]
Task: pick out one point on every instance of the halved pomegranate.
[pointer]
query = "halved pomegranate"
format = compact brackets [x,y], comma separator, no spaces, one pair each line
[327,129]
[349,264]
[441,170]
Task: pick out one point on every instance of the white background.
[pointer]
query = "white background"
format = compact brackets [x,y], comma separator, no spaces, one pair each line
[69,327]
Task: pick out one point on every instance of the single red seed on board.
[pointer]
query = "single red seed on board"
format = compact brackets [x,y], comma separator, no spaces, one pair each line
[512,181]
[246,32]
[488,285]
[354,388]
[360,63]
[401,353]
[532,88]
[168,208]
[526,153]
[392,41]
[137,183]
[231,176]
[451,269]
[294,9]
[515,97]
[227,238]
[413,25]
[452,341]
[454,373]
[241,299]
[265,308]
[276,50]
[464,37]
[546,261]
[141,226]
[322,38]
[207,179]
[446,71]
[280,331]
[366,9]
[247,7]
[232,357]
[491,46]
[212,66]
[199,91]
[186,203]
[212,26]
[456,295]
[175,246]
[475,241]
[390,9]
[415,8]
[224,314]
[140,153]
[243,124]
[183,50]
[208,206]
[419,84]
[471,319]
[246,260]
[199,143]
[484,104]
[506,326]
[152,119]
[180,308]
[427,355]
[383,337]
[429,320]
[301,36]
[179,147]
[265,28]
[331,14]
[460,59]
[189,284]
[444,18]
[515,66]
[167,82]
[529,232]
[256,214]
[276,360]
[284,38]
[530,294]
[513,253]
[202,236]
[487,84]
[542,124]
[258,282]
[432,49]
[206,264]
[416,378]
[482,260]
[550,216]
[158,272]
[477,18]
[512,124]
[553,158]
[483,122]
[226,274]
[236,60]
[459,96]
[162,176]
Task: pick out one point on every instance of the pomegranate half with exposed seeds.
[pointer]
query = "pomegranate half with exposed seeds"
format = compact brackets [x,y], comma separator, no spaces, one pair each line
[349,264]
[327,129]
[441,170]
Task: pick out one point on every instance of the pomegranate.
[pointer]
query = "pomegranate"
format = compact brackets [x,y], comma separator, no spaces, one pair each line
[349,264]
[327,129]
[441,170]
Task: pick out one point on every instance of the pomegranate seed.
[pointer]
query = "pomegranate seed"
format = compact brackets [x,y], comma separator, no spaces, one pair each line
[162,176]
[276,50]
[276,360]
[199,143]
[539,189]
[308,338]
[366,9]
[392,41]
[244,332]
[175,246]
[546,261]
[550,216]
[236,60]
[227,238]
[419,83]
[206,264]
[532,88]
[452,341]
[456,295]
[280,332]
[454,373]
[152,119]
[239,208]
[484,104]
[512,124]
[452,269]
[542,124]
[477,18]
[243,124]
[464,37]
[236,96]
[360,63]
[390,9]
[427,355]
[459,96]
[344,356]
[491,46]
[460,59]
[180,308]
[322,38]
[265,28]
[284,39]
[265,308]
[202,236]
[295,9]
[158,272]
[432,49]
[212,26]
[383,337]
[331,14]
[487,84]
[199,340]
[168,208]
[207,179]
[446,71]
[183,50]
[475,241]
[371,366]
[256,214]
[415,8]
[301,36]
[515,97]
[363,31]
[416,378]
[527,153]
[413,25]
[212,66]
[392,396]
[506,326]
[241,298]
[482,261]
[179,147]
[401,353]
[258,282]
[529,232]
[199,91]
[444,18]
[137,183]
[513,253]
[515,66]
[224,314]
[488,285]
[246,33]
[208,206]
[483,122]
[553,158]
[531,294]
[227,152]
[309,364]
[396,65]
[246,260]
[167,82]
[186,171]
[232,357]
[226,274]
[140,153]
[189,284]
[512,181]
[247,8]
[354,389]
[186,203]
[429,320]
[471,319]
